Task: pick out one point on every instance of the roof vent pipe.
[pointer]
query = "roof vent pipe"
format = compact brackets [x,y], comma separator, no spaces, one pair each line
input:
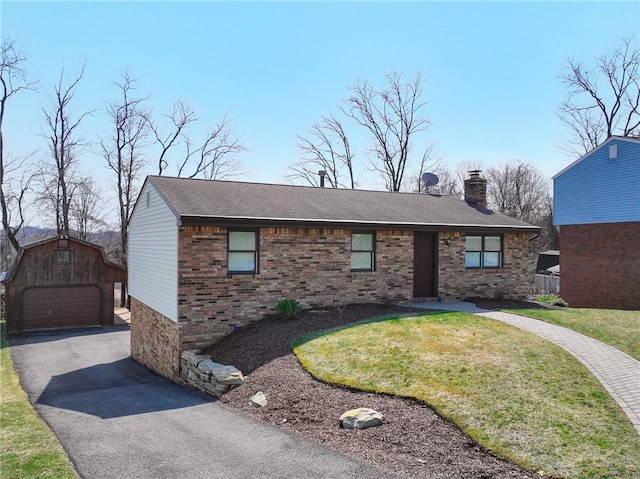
[322,174]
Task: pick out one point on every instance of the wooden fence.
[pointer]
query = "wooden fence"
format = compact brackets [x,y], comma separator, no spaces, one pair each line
[547,284]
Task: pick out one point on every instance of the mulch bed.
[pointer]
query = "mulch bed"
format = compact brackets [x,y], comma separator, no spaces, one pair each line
[413,442]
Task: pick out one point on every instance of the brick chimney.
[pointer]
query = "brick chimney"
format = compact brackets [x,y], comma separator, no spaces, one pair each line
[475,189]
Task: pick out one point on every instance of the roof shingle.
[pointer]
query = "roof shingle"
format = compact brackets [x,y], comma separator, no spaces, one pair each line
[197,199]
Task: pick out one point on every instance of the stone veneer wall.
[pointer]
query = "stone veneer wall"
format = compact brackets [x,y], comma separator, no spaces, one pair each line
[311,266]
[513,280]
[154,340]
[600,265]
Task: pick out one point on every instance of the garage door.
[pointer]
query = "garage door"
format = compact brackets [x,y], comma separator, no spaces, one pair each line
[64,307]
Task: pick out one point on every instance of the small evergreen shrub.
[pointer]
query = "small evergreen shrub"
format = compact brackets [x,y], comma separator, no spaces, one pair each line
[289,309]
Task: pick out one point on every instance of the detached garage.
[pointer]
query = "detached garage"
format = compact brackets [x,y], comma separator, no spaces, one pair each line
[60,283]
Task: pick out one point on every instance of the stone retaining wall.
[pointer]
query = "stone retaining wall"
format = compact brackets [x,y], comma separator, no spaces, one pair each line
[199,371]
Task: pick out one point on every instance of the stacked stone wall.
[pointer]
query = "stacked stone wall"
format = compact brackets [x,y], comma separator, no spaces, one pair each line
[513,280]
[600,265]
[154,340]
[311,266]
[200,372]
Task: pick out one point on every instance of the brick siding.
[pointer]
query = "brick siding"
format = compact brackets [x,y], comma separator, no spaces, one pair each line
[154,340]
[513,280]
[600,265]
[311,266]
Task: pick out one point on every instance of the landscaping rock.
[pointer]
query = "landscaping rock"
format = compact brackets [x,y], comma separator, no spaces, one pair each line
[259,399]
[361,418]
[193,356]
[208,366]
[227,375]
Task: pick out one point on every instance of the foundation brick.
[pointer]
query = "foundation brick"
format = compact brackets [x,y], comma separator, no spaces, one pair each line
[154,340]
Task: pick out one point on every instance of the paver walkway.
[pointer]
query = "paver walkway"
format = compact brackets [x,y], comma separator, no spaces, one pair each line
[618,372]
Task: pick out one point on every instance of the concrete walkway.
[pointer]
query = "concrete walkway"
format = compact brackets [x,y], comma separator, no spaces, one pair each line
[618,372]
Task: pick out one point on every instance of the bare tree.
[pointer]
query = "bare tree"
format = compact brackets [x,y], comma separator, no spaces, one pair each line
[15,178]
[213,158]
[123,151]
[181,116]
[549,237]
[518,190]
[64,144]
[87,212]
[427,165]
[325,148]
[602,101]
[393,118]
[448,183]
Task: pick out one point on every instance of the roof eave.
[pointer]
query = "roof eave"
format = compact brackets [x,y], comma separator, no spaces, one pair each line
[196,220]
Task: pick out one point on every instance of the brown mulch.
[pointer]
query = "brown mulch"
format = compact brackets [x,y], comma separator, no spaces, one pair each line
[413,442]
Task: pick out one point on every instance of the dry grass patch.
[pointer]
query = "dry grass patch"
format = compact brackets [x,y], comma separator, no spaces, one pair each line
[516,394]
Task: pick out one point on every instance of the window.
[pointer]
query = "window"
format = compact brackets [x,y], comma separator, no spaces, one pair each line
[483,252]
[243,252]
[63,256]
[362,252]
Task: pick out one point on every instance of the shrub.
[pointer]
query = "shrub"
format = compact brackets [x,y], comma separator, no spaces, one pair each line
[561,302]
[289,309]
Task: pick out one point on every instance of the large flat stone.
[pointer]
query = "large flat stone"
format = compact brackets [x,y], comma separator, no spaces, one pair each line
[361,418]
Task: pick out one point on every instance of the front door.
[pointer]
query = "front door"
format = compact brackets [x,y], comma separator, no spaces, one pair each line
[424,264]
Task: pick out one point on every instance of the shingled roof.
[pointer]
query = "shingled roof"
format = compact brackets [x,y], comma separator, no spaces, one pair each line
[196,201]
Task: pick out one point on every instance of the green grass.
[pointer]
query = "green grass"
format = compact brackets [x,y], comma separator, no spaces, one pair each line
[516,394]
[28,448]
[547,298]
[617,328]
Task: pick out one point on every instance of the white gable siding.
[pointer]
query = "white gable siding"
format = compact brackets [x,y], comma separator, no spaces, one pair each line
[599,189]
[153,254]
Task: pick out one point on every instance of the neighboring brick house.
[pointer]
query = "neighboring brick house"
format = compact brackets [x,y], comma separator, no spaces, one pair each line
[206,257]
[597,206]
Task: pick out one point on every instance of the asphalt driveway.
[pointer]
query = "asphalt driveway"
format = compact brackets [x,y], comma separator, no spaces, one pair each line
[116,419]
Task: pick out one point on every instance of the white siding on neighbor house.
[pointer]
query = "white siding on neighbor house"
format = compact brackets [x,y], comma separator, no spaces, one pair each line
[153,254]
[599,189]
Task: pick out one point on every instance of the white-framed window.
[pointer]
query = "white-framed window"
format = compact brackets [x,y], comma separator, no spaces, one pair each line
[242,256]
[483,252]
[363,251]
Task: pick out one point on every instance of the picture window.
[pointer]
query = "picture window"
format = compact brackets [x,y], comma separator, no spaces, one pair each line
[483,252]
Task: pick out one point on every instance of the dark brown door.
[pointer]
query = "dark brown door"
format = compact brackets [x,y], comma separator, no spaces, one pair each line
[424,265]
[64,307]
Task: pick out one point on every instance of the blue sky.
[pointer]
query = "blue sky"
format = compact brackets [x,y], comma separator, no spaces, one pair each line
[275,68]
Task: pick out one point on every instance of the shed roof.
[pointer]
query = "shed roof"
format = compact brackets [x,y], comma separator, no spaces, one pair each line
[197,201]
[8,276]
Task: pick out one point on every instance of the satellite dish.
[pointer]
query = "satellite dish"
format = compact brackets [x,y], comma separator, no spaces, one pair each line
[430,179]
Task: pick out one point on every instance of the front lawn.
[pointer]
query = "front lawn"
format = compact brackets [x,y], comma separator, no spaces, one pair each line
[28,448]
[516,394]
[617,328]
